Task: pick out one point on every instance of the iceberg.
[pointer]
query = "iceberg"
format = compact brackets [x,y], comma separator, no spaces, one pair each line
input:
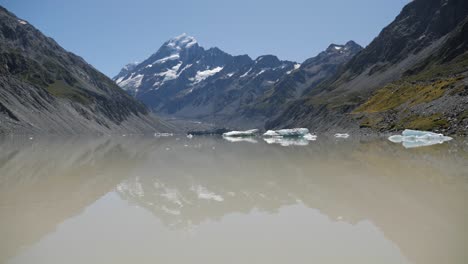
[295,132]
[345,135]
[247,133]
[415,138]
[289,137]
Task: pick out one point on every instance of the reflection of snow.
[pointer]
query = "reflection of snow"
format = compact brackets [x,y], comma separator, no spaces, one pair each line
[240,139]
[414,138]
[205,194]
[285,142]
[247,133]
[294,132]
[172,196]
[338,135]
[134,189]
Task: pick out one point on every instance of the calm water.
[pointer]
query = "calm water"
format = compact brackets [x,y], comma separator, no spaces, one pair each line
[207,200]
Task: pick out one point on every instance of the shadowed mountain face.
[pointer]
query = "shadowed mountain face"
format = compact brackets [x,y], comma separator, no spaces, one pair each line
[413,75]
[184,80]
[302,80]
[415,198]
[45,89]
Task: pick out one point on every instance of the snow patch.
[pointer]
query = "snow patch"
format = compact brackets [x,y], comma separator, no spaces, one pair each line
[131,83]
[171,73]
[246,73]
[181,42]
[202,75]
[175,56]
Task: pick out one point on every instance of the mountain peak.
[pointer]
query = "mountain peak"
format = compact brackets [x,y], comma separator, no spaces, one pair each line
[334,47]
[350,45]
[181,42]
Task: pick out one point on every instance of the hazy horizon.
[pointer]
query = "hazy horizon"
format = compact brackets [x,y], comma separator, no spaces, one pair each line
[109,34]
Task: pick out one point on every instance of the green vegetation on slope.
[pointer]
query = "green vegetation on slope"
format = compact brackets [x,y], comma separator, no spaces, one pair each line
[62,89]
[405,92]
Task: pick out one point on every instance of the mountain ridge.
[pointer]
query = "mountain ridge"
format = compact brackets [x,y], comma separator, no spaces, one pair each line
[231,86]
[395,68]
[46,89]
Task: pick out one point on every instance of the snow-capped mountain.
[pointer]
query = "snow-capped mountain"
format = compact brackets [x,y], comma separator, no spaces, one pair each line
[184,79]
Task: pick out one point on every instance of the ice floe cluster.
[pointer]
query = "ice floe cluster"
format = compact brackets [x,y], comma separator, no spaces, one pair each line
[283,137]
[415,138]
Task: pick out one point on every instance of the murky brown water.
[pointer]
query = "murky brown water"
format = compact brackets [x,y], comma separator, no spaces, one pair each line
[207,200]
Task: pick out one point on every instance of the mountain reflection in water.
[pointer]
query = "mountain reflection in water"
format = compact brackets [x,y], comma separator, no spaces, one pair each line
[50,189]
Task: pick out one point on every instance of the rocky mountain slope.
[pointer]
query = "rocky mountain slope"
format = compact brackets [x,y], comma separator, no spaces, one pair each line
[302,80]
[184,80]
[413,75]
[45,89]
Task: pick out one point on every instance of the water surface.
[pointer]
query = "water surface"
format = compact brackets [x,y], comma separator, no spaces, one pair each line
[208,200]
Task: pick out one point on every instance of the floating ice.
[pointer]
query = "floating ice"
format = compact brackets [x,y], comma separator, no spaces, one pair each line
[189,136]
[240,139]
[415,138]
[289,137]
[247,133]
[295,132]
[345,135]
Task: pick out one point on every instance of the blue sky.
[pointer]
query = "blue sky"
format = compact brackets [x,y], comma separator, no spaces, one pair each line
[111,33]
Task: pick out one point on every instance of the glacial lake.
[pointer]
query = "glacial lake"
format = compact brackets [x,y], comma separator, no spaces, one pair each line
[206,200]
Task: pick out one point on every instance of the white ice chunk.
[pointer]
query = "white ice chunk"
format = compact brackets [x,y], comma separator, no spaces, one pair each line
[247,133]
[345,135]
[415,138]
